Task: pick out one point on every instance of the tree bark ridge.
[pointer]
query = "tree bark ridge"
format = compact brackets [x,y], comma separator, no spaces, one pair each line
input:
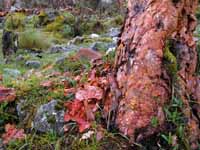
[140,71]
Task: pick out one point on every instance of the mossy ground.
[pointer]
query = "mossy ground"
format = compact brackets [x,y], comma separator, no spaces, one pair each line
[34,39]
[28,88]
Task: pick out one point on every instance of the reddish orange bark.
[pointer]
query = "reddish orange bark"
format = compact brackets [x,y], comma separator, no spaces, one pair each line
[140,73]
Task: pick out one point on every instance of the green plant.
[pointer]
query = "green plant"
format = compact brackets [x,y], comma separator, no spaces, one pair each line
[73,65]
[15,21]
[171,62]
[176,119]
[174,113]
[168,138]
[33,40]
[154,121]
[89,144]
[67,31]
[35,142]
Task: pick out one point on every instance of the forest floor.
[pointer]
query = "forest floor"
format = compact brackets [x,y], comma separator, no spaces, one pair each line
[55,56]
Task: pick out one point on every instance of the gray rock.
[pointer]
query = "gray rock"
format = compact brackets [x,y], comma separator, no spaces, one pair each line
[97,46]
[20,111]
[76,40]
[49,119]
[61,60]
[1,25]
[14,73]
[94,35]
[63,48]
[33,64]
[20,58]
[19,4]
[113,32]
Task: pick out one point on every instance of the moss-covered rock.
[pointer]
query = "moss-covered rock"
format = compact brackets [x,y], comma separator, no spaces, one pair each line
[62,26]
[67,31]
[15,21]
[49,17]
[32,21]
[91,26]
[114,22]
[56,25]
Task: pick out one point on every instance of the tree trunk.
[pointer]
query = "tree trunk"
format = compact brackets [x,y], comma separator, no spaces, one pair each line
[143,77]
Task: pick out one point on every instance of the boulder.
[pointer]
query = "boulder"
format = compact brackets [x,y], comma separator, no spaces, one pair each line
[113,32]
[20,110]
[20,58]
[33,64]
[61,60]
[63,48]
[14,73]
[48,118]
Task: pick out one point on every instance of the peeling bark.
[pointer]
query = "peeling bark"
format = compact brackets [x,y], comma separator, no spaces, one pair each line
[140,71]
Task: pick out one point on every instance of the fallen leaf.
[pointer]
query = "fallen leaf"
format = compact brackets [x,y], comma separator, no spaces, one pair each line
[89,92]
[12,133]
[7,94]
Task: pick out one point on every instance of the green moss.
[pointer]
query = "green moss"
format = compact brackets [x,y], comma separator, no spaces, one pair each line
[69,18]
[118,20]
[73,65]
[33,141]
[154,122]
[171,62]
[67,31]
[57,25]
[51,119]
[91,26]
[42,18]
[70,65]
[60,26]
[33,40]
[198,13]
[113,22]
[15,21]
[32,21]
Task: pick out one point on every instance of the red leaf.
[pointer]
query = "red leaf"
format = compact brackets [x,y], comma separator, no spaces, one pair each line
[83,125]
[12,133]
[89,92]
[76,112]
[7,94]
[82,109]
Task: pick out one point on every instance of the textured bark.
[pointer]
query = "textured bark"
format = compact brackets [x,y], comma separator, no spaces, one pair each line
[140,71]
